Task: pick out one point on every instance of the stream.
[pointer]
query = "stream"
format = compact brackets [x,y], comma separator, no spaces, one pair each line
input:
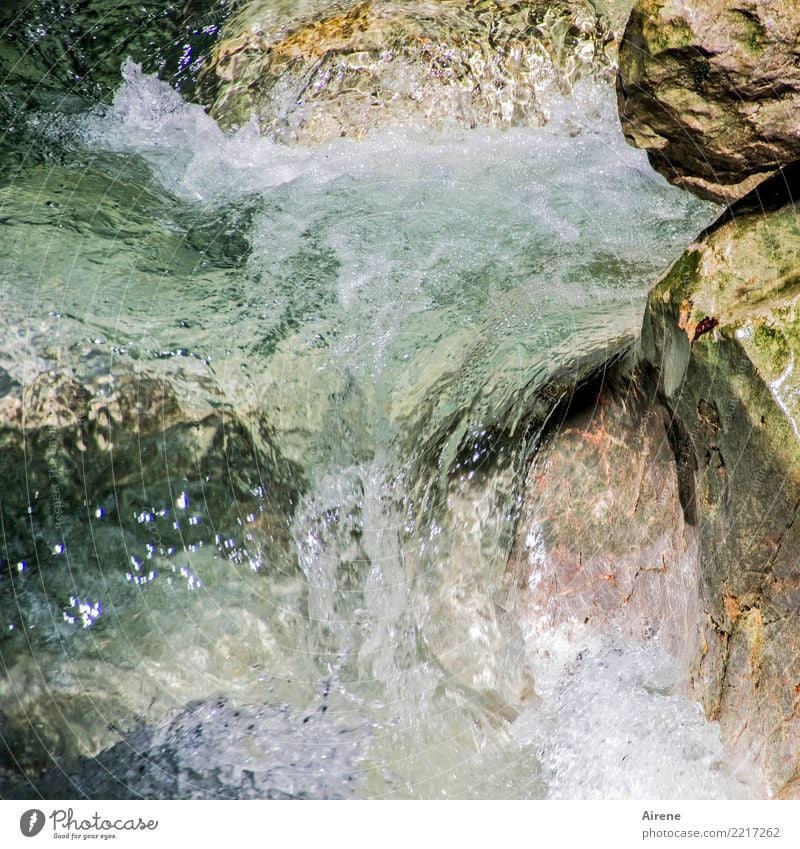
[265,417]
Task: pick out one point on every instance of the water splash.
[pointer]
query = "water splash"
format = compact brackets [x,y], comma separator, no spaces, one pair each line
[331,358]
[613,723]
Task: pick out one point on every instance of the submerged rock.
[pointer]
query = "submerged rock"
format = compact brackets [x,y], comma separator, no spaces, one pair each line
[124,495]
[345,68]
[712,90]
[672,514]
[214,749]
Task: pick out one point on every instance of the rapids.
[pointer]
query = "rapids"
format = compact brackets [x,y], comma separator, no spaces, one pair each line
[373,336]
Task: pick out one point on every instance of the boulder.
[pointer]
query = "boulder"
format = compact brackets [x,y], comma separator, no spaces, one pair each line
[721,328]
[347,68]
[602,539]
[712,90]
[123,494]
[214,749]
[668,509]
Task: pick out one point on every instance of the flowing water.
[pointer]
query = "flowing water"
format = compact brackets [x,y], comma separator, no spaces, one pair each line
[266,415]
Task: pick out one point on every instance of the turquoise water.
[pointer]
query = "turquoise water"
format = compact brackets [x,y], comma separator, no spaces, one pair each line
[265,417]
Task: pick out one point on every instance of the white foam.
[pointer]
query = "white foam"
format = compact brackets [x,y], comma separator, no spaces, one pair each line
[612,723]
[194,158]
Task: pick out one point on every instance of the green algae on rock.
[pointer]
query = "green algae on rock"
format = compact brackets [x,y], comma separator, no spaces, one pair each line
[735,393]
[712,90]
[354,66]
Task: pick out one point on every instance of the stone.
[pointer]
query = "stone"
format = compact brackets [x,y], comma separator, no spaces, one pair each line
[666,508]
[120,493]
[344,69]
[721,328]
[214,749]
[711,91]
[602,539]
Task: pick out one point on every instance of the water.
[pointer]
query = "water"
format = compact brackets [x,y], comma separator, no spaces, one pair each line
[266,414]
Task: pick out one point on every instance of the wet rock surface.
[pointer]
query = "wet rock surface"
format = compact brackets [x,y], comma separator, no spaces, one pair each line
[351,67]
[712,90]
[686,500]
[604,541]
[116,486]
[694,466]
[733,390]
[213,750]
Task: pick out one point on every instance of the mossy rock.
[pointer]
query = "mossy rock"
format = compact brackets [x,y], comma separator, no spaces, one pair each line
[722,332]
[712,90]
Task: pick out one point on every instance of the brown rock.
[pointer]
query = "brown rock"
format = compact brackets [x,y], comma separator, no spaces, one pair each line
[671,512]
[734,392]
[603,540]
[712,90]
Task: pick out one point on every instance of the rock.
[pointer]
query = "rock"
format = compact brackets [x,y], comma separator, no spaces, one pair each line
[602,538]
[354,66]
[790,790]
[669,511]
[121,497]
[103,449]
[712,90]
[214,749]
[721,328]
